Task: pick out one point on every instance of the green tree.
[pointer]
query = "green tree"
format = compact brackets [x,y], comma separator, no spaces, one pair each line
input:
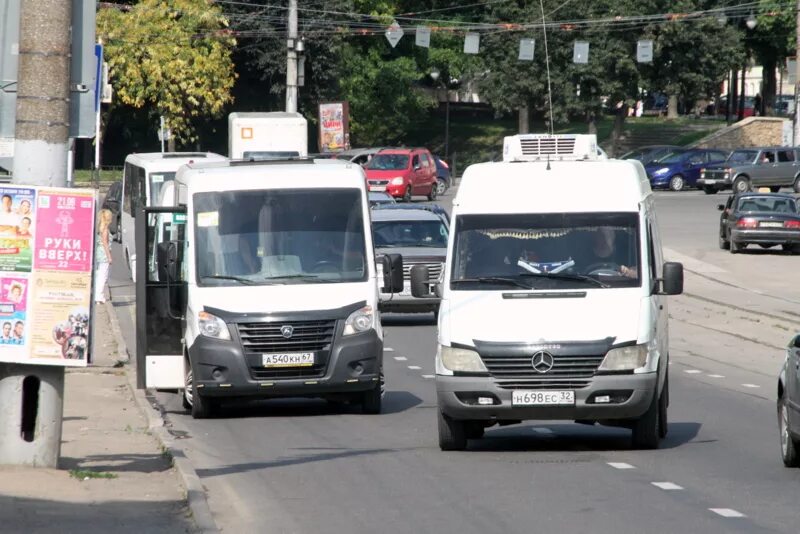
[171,58]
[772,41]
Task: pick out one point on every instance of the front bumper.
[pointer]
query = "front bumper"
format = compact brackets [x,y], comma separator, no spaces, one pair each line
[455,395]
[409,304]
[221,369]
[773,237]
[716,183]
[396,191]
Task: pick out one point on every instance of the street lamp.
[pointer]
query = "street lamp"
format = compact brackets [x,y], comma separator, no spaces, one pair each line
[435,76]
[751,22]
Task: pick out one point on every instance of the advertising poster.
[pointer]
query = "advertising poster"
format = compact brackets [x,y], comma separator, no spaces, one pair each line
[17,218]
[64,232]
[13,316]
[60,326]
[334,134]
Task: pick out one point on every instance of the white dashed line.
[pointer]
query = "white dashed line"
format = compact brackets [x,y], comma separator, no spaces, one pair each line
[750,386]
[716,376]
[620,465]
[427,376]
[415,367]
[387,349]
[727,512]
[691,371]
[668,486]
[400,358]
[543,430]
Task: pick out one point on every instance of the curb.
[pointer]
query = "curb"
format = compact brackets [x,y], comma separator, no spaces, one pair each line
[193,487]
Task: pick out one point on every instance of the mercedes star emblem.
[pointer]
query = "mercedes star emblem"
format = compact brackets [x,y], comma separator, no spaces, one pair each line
[287,331]
[542,361]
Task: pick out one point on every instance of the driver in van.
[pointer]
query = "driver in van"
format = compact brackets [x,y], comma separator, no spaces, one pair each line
[603,251]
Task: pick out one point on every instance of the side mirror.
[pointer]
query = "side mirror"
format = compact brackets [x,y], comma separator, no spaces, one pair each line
[721,207]
[167,261]
[672,283]
[796,341]
[420,281]
[393,273]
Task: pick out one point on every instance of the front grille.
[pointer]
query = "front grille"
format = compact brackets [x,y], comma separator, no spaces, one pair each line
[434,270]
[554,146]
[568,372]
[715,175]
[308,336]
[379,182]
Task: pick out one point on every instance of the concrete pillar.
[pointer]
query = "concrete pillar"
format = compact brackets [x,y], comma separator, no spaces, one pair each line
[30,421]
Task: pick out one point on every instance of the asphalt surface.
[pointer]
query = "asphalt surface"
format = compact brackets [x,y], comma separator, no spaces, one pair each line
[306,466]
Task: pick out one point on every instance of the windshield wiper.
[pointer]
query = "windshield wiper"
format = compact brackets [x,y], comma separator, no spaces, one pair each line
[241,280]
[495,280]
[564,276]
[293,277]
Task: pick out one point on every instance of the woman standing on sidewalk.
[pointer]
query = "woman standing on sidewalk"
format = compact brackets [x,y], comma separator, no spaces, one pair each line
[102,254]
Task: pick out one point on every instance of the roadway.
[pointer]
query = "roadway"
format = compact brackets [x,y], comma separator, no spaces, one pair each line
[298,466]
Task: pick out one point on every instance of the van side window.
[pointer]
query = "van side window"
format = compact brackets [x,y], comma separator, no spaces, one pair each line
[127,190]
[651,252]
[785,156]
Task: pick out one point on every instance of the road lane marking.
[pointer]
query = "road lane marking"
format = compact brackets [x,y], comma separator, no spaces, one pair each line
[668,486]
[400,358]
[716,376]
[750,386]
[427,376]
[691,371]
[620,465]
[415,367]
[727,512]
[387,349]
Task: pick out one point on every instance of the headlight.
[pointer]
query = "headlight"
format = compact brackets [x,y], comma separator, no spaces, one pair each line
[624,358]
[662,170]
[360,321]
[397,180]
[464,360]
[212,326]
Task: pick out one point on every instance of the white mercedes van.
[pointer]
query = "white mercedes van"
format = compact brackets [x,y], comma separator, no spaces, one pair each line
[554,295]
[261,282]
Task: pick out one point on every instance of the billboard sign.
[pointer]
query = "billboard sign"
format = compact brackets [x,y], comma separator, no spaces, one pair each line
[334,127]
[46,267]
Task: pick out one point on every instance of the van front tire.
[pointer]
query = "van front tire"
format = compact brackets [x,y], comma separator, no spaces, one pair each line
[371,401]
[452,433]
[646,430]
[204,407]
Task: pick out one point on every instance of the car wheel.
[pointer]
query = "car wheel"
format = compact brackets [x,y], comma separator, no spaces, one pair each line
[724,244]
[663,403]
[372,400]
[775,188]
[441,187]
[791,248]
[434,191]
[708,190]
[741,185]
[676,183]
[452,433]
[474,429]
[735,247]
[790,448]
[646,430]
[796,185]
[407,194]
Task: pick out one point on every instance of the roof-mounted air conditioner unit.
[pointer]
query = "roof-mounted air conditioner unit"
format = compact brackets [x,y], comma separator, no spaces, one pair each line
[544,147]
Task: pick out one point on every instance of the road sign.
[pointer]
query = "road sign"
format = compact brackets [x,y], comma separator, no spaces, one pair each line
[526,48]
[580,53]
[394,33]
[472,43]
[644,51]
[423,37]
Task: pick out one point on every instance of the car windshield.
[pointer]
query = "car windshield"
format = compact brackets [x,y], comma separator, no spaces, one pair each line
[279,236]
[555,251]
[742,156]
[672,157]
[380,198]
[388,162]
[396,234]
[634,154]
[157,181]
[767,205]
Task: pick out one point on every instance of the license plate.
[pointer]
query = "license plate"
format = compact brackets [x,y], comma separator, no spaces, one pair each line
[521,397]
[377,188]
[710,181]
[288,359]
[771,224]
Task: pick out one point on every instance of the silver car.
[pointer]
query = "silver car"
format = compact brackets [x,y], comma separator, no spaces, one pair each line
[747,169]
[420,236]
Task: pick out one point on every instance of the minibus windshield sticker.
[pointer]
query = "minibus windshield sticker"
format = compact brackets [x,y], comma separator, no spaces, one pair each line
[208,219]
[157,178]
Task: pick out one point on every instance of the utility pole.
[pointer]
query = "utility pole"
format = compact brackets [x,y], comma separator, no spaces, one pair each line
[797,82]
[291,59]
[31,396]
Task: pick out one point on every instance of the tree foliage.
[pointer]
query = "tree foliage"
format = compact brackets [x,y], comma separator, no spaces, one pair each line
[171,58]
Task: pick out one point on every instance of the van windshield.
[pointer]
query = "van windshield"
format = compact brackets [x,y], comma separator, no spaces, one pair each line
[157,182]
[546,251]
[279,237]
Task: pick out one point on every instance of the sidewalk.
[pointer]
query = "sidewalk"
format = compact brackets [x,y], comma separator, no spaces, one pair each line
[113,476]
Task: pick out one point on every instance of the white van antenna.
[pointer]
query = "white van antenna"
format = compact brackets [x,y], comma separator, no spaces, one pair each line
[547,63]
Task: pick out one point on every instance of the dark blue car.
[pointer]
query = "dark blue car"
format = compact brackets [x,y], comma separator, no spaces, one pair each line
[681,168]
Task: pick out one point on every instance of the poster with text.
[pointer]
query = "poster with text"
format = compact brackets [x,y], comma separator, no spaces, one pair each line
[334,134]
[60,322]
[64,232]
[17,222]
[13,316]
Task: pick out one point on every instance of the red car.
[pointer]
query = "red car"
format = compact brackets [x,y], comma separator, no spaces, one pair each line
[403,173]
